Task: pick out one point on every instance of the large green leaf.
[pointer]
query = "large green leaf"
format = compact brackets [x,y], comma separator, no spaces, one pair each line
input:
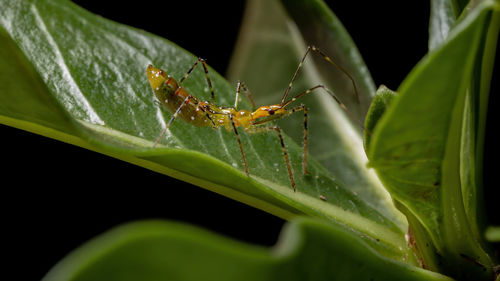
[419,145]
[90,89]
[156,250]
[473,131]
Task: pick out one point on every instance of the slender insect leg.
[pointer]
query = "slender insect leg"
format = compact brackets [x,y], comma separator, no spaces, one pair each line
[239,143]
[328,59]
[283,147]
[206,114]
[240,85]
[205,69]
[342,105]
[306,133]
[186,100]
[285,95]
[285,154]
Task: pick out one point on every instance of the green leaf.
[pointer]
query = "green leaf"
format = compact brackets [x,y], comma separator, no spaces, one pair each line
[90,89]
[418,149]
[158,250]
[475,121]
[267,34]
[21,88]
[444,14]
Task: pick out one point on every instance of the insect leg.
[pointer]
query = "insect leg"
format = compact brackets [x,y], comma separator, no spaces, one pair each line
[186,100]
[205,69]
[207,115]
[283,147]
[285,154]
[328,59]
[306,132]
[239,143]
[285,95]
[240,85]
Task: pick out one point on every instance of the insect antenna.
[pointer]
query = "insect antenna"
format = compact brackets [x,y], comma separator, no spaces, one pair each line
[329,60]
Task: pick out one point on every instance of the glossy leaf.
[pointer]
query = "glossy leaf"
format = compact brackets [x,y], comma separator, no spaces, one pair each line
[158,250]
[417,145]
[93,91]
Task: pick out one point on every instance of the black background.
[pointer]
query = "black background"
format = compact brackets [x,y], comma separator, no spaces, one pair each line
[57,196]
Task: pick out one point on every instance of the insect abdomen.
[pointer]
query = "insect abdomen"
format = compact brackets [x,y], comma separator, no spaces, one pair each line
[190,112]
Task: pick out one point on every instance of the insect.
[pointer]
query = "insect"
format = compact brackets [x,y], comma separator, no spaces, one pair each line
[182,104]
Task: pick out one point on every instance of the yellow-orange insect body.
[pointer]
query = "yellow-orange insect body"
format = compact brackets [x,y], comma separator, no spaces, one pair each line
[178,101]
[203,113]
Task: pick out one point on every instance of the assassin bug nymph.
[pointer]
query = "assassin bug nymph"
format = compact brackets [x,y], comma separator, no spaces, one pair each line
[178,101]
